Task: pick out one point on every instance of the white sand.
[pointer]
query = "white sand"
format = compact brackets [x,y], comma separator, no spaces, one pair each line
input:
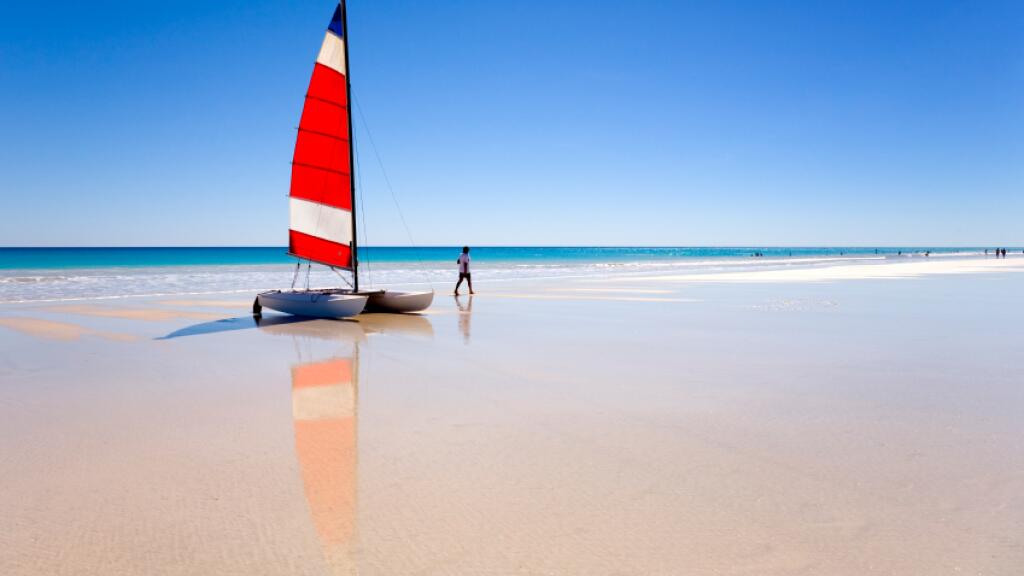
[846,271]
[53,330]
[112,311]
[807,424]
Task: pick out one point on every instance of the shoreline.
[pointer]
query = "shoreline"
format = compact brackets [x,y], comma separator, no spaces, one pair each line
[130,258]
[797,269]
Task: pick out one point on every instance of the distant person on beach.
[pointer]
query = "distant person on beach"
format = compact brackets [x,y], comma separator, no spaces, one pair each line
[463,262]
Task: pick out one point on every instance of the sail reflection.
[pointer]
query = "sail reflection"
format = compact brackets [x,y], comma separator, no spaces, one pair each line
[324,411]
[325,408]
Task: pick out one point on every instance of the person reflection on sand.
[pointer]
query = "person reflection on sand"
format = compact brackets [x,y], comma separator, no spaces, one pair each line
[465,315]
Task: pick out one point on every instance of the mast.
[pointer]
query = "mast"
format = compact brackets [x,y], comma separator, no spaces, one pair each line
[351,148]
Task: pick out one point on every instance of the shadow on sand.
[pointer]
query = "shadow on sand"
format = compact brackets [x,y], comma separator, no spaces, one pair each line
[239,323]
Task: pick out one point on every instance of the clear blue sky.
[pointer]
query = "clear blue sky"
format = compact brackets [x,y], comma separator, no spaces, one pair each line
[535,122]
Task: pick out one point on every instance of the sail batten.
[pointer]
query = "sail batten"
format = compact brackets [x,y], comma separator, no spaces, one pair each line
[320,222]
[324,134]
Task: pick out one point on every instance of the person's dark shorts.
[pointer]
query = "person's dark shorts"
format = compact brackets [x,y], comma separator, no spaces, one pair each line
[464,275]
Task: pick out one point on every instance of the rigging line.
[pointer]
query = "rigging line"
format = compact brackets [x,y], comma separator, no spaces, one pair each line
[391,189]
[295,277]
[340,275]
[380,163]
[362,204]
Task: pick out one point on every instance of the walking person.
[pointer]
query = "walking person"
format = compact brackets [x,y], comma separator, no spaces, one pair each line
[463,262]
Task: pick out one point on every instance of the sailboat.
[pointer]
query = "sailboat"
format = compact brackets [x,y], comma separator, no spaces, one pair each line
[322,222]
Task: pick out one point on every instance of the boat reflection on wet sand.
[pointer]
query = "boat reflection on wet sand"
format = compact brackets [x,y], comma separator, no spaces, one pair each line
[396,323]
[325,402]
[315,328]
[324,408]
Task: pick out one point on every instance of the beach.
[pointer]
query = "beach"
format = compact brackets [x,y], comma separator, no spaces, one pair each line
[841,416]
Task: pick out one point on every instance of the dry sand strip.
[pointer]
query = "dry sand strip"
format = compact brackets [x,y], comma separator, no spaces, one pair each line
[63,331]
[152,314]
[881,271]
[579,297]
[207,303]
[613,290]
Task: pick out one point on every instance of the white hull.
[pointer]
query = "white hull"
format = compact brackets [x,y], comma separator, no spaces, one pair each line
[398,302]
[314,303]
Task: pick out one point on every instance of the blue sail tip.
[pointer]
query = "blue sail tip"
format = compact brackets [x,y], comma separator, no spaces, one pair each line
[335,25]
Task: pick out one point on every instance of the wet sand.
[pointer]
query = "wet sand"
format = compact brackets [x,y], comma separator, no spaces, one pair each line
[829,420]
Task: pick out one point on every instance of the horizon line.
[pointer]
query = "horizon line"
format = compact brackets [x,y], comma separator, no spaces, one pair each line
[285,247]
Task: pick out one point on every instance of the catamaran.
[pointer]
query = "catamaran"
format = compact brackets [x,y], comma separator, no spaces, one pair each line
[322,222]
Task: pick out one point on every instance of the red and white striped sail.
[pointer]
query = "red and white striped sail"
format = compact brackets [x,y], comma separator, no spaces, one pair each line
[320,201]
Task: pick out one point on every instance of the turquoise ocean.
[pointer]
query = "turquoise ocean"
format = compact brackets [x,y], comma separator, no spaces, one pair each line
[56,274]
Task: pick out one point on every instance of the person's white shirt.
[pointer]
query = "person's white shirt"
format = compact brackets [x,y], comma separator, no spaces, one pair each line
[463,263]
